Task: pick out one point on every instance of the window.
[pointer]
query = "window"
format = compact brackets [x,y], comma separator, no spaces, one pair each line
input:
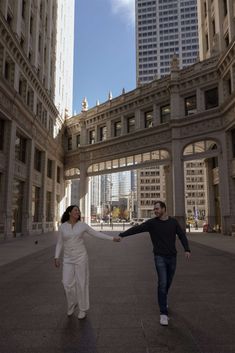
[226,39]
[58,175]
[207,42]
[117,128]
[2,129]
[35,203]
[31,25]
[103,133]
[211,98]
[225,7]
[39,43]
[78,140]
[23,8]
[233,142]
[37,160]
[91,137]
[20,148]
[49,217]
[148,119]
[165,113]
[70,143]
[49,168]
[7,70]
[213,27]
[9,19]
[131,124]
[190,104]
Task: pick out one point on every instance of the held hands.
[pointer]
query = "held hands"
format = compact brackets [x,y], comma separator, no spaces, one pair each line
[57,263]
[187,254]
[117,239]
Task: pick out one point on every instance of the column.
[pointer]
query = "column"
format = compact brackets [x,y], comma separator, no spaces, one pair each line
[175,102]
[83,132]
[178,183]
[43,192]
[54,185]
[156,115]
[83,191]
[210,193]
[7,214]
[168,188]
[224,179]
[138,119]
[27,209]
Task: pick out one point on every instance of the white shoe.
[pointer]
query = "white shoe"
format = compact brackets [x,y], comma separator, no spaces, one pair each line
[164,320]
[81,315]
[71,309]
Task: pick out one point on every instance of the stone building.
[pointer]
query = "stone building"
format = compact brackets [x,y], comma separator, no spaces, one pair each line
[32,186]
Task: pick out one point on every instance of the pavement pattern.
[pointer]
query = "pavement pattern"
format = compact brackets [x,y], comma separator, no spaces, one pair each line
[124,316]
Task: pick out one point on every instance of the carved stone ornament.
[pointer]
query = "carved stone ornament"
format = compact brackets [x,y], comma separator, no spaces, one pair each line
[199,127]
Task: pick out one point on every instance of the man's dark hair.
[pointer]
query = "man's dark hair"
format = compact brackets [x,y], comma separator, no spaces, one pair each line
[161,203]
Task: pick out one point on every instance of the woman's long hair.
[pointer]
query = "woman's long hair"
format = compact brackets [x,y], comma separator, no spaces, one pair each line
[66,215]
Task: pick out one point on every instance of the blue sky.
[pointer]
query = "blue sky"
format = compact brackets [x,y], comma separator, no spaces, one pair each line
[104,50]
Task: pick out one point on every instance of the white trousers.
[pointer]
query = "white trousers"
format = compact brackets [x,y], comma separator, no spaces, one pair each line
[76,284]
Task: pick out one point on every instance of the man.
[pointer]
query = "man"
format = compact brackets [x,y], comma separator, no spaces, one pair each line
[162,230]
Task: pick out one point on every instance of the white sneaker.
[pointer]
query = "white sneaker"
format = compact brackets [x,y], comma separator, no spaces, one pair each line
[164,320]
[81,315]
[71,309]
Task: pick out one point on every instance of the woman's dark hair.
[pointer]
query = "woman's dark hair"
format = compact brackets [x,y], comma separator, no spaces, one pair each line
[66,214]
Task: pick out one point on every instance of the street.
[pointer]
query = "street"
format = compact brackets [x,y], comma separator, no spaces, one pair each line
[124,316]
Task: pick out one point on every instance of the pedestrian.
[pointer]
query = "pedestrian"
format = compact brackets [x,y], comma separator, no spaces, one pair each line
[75,276]
[163,230]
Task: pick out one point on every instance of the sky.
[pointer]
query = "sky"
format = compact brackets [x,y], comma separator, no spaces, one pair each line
[104,50]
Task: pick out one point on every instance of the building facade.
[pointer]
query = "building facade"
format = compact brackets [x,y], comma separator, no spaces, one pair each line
[184,117]
[32,182]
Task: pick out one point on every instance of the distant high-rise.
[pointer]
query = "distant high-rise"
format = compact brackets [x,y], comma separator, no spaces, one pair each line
[164,28]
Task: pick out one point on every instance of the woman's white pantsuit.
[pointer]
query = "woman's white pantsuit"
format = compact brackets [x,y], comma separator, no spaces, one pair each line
[75,276]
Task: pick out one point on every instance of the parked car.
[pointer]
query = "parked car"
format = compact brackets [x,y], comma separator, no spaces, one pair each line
[137,221]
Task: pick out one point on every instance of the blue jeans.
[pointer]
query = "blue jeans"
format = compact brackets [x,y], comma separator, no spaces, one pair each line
[165,266]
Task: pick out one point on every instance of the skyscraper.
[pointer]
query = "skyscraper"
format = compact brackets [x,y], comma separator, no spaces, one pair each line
[164,28]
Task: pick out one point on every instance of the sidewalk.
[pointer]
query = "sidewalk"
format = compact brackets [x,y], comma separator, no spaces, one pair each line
[17,248]
[214,240]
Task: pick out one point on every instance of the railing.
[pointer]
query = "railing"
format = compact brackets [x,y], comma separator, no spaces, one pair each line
[115,226]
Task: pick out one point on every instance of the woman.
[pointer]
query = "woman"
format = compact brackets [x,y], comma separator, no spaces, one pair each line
[75,276]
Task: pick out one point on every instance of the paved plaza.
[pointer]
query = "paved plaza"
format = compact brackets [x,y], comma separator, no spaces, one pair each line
[123,317]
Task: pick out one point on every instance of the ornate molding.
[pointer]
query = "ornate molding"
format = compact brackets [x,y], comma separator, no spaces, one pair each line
[200,127]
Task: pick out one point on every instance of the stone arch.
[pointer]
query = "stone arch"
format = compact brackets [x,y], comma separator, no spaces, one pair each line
[199,148]
[134,161]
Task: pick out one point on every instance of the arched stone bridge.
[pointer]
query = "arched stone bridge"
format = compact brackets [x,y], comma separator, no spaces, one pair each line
[187,115]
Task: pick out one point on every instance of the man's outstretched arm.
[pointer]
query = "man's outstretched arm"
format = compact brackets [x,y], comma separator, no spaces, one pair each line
[141,228]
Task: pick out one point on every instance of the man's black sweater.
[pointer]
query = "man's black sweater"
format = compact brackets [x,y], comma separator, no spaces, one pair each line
[163,235]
